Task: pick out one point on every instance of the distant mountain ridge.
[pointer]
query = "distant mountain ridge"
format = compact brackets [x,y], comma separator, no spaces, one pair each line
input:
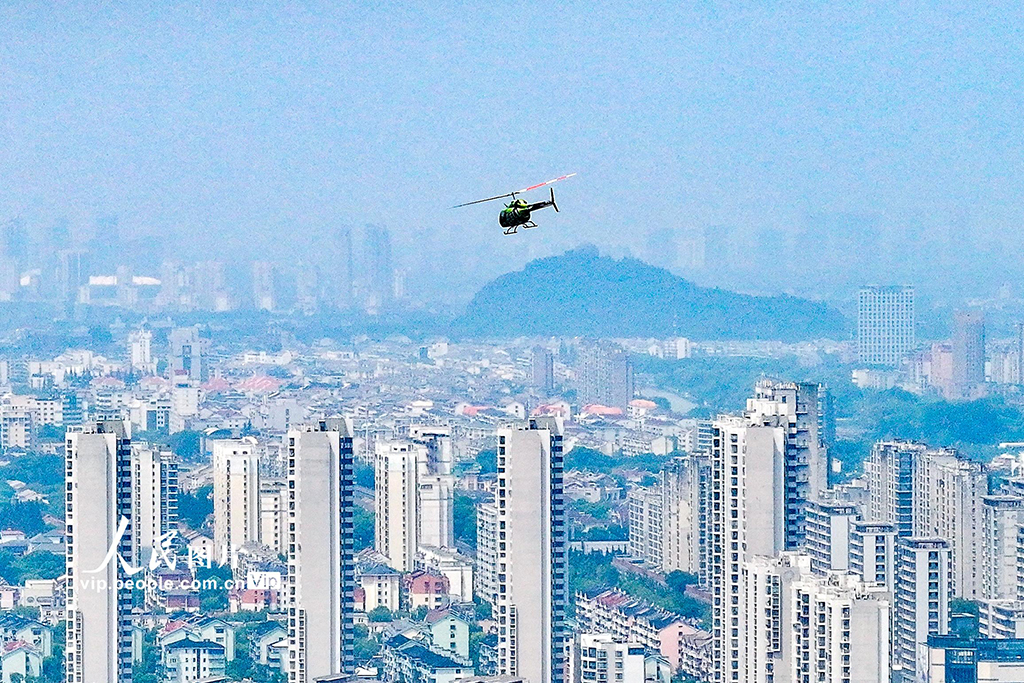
[582,293]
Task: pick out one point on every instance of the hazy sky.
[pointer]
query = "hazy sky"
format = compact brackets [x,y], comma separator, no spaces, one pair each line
[258,126]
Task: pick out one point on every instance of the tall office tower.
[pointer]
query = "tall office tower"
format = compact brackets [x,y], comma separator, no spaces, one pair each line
[947,504]
[140,351]
[827,541]
[342,268]
[645,525]
[885,324]
[264,294]
[236,496]
[187,361]
[841,630]
[968,352]
[685,485]
[486,580]
[274,515]
[543,370]
[748,517]
[796,409]
[532,579]
[605,376]
[922,602]
[1001,518]
[395,498]
[602,652]
[209,287]
[321,562]
[379,267]
[873,552]
[155,502]
[889,472]
[98,506]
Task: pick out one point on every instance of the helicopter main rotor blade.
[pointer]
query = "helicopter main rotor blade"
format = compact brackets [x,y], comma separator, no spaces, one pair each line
[534,187]
[481,201]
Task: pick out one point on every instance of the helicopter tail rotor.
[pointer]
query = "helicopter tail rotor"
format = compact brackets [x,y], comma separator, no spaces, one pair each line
[553,198]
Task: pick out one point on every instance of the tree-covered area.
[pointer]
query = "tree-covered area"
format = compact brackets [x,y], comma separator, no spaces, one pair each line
[583,458]
[195,508]
[41,472]
[594,571]
[40,564]
[464,519]
[363,528]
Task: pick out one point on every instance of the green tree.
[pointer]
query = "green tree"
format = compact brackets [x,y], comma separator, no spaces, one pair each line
[487,459]
[363,528]
[464,519]
[195,508]
[379,614]
[185,444]
[26,517]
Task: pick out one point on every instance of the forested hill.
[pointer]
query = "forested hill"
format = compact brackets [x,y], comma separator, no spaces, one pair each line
[582,293]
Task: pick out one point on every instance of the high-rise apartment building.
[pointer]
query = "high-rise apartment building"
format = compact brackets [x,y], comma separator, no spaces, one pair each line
[98,512]
[797,409]
[321,562]
[187,361]
[685,486]
[274,515]
[236,496]
[948,490]
[155,498]
[140,351]
[923,591]
[968,353]
[543,370]
[395,498]
[885,324]
[486,580]
[889,472]
[532,551]
[748,517]
[602,657]
[999,526]
[380,270]
[828,535]
[604,376]
[646,534]
[873,552]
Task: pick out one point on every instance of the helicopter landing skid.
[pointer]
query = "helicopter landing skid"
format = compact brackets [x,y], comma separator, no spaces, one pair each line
[511,230]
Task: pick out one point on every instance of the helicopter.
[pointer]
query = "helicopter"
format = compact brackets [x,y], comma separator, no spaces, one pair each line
[516,213]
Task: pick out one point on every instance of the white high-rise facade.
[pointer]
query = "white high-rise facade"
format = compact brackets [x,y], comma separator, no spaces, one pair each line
[321,563]
[395,498]
[155,501]
[685,486]
[274,515]
[873,552]
[646,536]
[602,657]
[236,496]
[947,504]
[923,590]
[999,527]
[98,511]
[486,585]
[885,324]
[532,552]
[140,351]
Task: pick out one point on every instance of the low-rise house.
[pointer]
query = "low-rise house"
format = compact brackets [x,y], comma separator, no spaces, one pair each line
[405,660]
[426,589]
[18,658]
[455,567]
[448,631]
[262,641]
[188,661]
[381,587]
[686,647]
[15,628]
